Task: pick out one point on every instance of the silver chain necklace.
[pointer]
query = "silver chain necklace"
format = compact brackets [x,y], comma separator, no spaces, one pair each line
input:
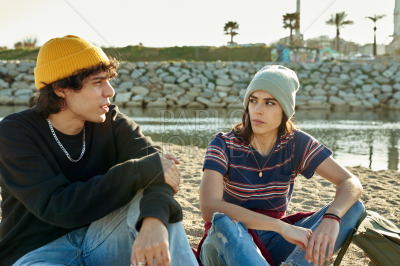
[62,147]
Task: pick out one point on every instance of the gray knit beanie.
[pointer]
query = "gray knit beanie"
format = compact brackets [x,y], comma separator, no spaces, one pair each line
[279,81]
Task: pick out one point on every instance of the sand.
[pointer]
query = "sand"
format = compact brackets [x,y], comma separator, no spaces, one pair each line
[380,194]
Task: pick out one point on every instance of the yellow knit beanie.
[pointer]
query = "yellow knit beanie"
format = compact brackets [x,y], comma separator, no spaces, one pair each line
[61,57]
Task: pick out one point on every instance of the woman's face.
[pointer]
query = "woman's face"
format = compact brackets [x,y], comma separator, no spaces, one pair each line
[265,113]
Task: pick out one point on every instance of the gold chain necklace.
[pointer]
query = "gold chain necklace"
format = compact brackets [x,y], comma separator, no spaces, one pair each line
[270,154]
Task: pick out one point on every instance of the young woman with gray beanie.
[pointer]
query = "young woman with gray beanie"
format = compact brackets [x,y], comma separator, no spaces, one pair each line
[248,182]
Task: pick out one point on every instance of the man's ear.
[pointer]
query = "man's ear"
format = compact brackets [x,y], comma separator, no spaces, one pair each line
[60,92]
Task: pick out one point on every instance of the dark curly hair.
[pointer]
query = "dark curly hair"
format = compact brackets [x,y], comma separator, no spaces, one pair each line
[48,102]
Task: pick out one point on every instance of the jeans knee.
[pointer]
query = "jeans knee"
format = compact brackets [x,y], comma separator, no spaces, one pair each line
[358,208]
[222,223]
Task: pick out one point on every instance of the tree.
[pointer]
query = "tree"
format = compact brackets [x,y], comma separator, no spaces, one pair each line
[291,21]
[230,28]
[27,43]
[339,21]
[374,19]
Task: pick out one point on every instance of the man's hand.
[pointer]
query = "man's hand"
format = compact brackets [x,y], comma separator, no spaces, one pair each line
[151,244]
[296,235]
[171,172]
[322,238]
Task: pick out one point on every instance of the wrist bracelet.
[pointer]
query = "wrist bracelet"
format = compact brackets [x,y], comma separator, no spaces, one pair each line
[332,216]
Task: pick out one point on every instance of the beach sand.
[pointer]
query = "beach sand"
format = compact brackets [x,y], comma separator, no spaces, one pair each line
[380,195]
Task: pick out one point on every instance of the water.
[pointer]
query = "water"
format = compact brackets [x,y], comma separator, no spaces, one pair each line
[366,138]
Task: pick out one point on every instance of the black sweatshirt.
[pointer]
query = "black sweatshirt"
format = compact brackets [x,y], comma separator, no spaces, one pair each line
[45,196]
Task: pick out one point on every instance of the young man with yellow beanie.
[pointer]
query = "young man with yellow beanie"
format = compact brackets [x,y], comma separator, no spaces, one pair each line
[80,183]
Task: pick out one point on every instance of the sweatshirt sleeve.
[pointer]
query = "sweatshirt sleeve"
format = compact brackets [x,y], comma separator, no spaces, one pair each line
[158,199]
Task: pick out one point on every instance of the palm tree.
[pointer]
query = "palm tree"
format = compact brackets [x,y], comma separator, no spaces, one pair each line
[230,28]
[291,21]
[339,21]
[374,19]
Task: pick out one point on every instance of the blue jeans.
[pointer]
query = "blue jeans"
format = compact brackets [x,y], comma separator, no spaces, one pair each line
[107,241]
[229,243]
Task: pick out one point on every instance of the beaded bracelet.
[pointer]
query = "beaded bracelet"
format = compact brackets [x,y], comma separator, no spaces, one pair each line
[332,216]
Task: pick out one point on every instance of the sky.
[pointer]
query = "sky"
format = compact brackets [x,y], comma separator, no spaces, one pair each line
[166,23]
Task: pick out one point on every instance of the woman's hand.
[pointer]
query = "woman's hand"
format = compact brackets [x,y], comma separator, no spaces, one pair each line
[151,244]
[322,238]
[296,235]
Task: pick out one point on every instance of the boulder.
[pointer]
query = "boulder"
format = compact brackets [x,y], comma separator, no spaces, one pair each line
[140,90]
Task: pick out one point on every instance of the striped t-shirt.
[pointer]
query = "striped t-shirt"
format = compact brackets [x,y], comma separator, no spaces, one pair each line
[295,153]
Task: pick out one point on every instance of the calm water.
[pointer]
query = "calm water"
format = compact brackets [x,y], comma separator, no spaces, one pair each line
[366,138]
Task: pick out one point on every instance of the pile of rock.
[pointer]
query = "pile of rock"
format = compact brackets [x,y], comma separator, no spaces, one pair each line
[222,84]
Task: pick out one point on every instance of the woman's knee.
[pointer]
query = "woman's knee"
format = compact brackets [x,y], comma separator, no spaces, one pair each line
[222,223]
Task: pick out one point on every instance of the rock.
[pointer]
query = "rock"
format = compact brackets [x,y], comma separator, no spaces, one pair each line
[122,97]
[318,91]
[207,94]
[224,82]
[20,85]
[384,97]
[169,79]
[22,99]
[386,88]
[171,99]
[367,87]
[183,78]
[134,104]
[182,102]
[211,85]
[396,87]
[203,100]
[28,92]
[367,104]
[334,80]
[6,100]
[379,67]
[195,105]
[382,80]
[208,74]
[355,103]
[29,78]
[125,86]
[194,81]
[3,84]
[3,71]
[215,99]
[375,102]
[140,90]
[396,95]
[160,103]
[216,105]
[336,101]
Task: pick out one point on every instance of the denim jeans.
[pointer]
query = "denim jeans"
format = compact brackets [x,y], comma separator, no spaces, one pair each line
[229,243]
[107,241]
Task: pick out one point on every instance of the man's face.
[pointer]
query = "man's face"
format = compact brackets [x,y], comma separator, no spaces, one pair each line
[92,101]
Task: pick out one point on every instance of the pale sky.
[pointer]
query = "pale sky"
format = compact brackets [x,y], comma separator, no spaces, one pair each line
[165,23]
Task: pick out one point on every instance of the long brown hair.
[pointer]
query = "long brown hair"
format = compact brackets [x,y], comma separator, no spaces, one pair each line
[48,102]
[244,131]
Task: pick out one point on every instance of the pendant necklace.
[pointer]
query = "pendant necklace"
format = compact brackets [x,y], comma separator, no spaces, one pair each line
[269,156]
[62,147]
